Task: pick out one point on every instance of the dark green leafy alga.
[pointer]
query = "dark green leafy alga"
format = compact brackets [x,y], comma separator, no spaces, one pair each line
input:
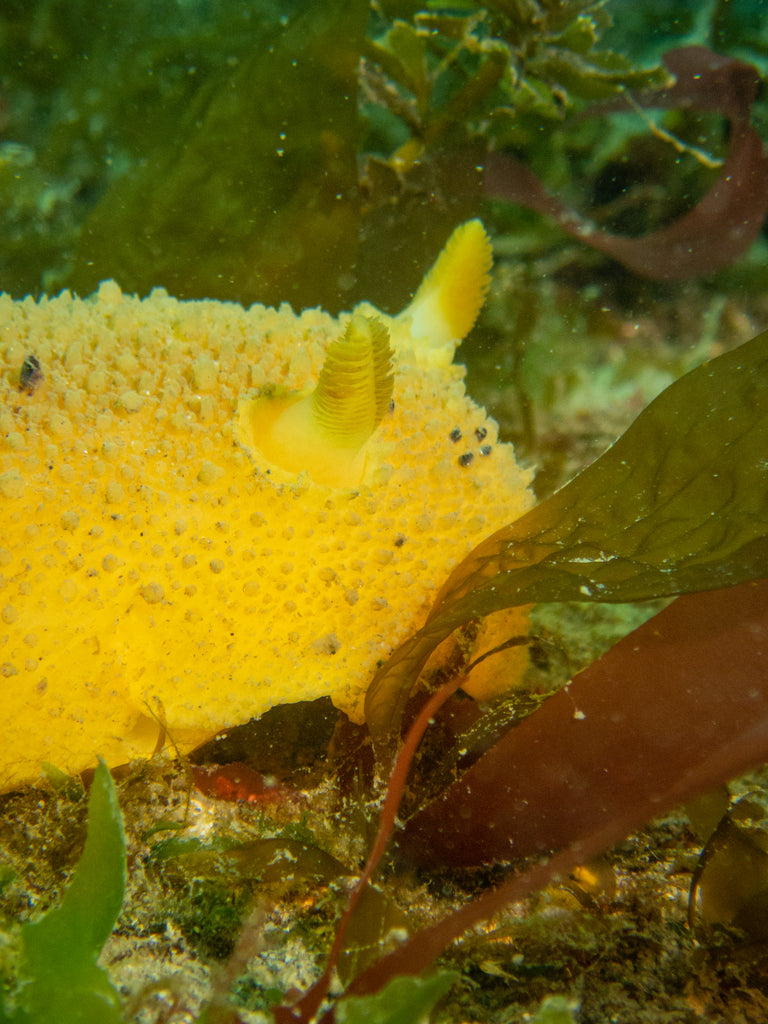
[273,151]
[403,1001]
[58,977]
[252,195]
[678,504]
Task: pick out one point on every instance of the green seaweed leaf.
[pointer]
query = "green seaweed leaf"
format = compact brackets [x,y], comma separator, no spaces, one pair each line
[678,504]
[403,1001]
[59,978]
[556,1010]
[265,152]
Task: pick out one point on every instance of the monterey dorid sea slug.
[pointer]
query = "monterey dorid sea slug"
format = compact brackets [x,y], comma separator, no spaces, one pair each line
[206,510]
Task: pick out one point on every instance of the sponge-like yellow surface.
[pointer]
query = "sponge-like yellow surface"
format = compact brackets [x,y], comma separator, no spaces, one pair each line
[155,566]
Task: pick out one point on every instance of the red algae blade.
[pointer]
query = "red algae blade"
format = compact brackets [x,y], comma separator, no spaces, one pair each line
[674,709]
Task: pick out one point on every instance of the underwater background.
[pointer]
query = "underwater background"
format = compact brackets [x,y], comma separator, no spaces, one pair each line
[320,154]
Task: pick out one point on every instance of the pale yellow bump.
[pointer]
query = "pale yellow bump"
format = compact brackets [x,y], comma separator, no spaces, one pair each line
[130,401]
[70,520]
[209,473]
[11,484]
[60,425]
[14,440]
[9,614]
[73,400]
[109,292]
[205,373]
[114,492]
[74,353]
[152,593]
[127,363]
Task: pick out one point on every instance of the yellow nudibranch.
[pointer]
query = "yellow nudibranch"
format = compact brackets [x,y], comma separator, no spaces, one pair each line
[206,511]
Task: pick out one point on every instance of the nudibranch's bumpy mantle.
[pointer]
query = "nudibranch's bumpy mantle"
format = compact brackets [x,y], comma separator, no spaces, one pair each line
[206,510]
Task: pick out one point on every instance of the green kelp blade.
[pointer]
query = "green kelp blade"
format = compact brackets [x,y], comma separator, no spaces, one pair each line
[404,1000]
[678,504]
[60,979]
[251,194]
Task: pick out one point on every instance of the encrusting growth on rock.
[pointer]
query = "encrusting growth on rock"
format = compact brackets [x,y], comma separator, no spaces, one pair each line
[206,511]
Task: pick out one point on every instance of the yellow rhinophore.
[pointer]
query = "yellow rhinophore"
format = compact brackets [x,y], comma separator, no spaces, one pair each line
[446,305]
[206,511]
[326,430]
